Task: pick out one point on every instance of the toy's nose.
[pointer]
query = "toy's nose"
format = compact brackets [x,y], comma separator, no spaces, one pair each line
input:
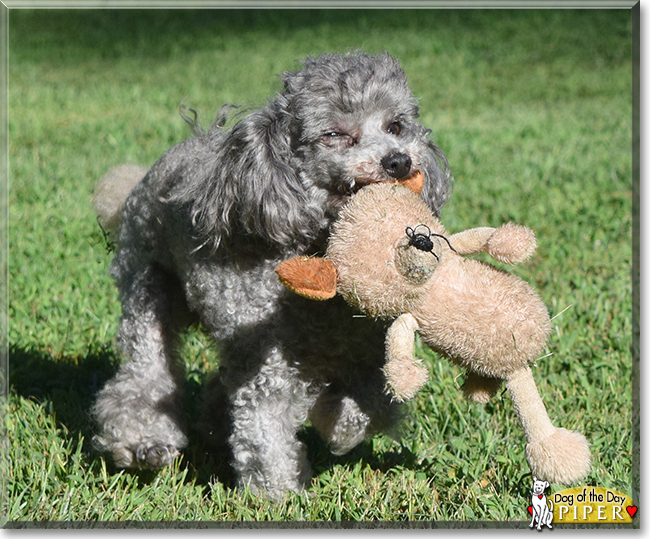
[397,165]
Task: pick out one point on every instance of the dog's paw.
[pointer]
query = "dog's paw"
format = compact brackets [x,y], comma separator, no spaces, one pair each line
[155,455]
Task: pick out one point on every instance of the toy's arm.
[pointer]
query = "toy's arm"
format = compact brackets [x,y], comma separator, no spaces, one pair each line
[405,375]
[509,243]
[471,241]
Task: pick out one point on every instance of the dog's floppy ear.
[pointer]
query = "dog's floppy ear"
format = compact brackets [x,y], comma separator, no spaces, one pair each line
[310,277]
[244,181]
[437,179]
[271,200]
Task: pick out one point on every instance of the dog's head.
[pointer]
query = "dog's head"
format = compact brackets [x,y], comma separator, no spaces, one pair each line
[282,172]
[353,121]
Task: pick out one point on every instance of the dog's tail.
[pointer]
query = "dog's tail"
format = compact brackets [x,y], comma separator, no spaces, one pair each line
[111,193]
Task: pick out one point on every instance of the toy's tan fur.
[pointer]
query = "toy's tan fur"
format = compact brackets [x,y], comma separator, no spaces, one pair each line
[406,376]
[486,320]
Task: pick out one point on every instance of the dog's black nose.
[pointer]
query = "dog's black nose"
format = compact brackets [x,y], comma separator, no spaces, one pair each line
[397,165]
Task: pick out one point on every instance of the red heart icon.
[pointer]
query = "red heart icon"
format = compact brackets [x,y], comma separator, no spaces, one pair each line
[631,510]
[530,509]
[540,496]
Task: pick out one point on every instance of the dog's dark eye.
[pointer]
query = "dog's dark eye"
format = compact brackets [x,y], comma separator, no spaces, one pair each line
[394,129]
[337,138]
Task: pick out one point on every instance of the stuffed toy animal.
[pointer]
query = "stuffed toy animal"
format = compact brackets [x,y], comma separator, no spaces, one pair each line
[389,256]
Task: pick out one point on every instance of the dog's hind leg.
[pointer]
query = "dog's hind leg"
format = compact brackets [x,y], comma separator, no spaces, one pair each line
[138,411]
[345,419]
[340,421]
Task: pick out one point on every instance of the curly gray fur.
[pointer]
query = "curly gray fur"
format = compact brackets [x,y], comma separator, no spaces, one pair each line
[201,235]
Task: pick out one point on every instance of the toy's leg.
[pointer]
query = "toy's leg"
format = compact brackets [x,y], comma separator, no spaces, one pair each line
[479,388]
[344,419]
[138,411]
[267,410]
[554,454]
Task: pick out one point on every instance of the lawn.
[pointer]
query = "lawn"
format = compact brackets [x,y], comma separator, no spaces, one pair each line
[534,112]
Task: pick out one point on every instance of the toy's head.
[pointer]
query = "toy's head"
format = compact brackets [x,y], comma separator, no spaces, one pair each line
[381,254]
[385,245]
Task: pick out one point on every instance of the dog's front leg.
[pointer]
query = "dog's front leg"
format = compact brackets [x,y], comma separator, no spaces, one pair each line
[266,412]
[541,515]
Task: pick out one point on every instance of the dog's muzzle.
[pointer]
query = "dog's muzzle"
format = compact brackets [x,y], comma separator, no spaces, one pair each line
[397,165]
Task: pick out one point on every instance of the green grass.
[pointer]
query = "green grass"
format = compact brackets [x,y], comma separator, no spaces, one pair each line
[533,109]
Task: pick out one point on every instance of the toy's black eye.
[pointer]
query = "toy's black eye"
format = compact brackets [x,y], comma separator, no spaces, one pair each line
[394,129]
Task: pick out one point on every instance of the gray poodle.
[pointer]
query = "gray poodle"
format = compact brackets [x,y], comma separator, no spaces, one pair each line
[200,235]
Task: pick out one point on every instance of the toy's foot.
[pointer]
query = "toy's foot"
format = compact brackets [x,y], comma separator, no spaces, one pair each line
[562,457]
[405,379]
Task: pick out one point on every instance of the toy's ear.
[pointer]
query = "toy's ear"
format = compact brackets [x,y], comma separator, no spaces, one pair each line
[310,277]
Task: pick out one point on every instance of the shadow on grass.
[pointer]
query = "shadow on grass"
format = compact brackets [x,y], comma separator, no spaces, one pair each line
[70,385]
[322,459]
[157,33]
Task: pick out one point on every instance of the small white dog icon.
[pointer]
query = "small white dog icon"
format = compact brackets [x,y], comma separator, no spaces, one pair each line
[541,511]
